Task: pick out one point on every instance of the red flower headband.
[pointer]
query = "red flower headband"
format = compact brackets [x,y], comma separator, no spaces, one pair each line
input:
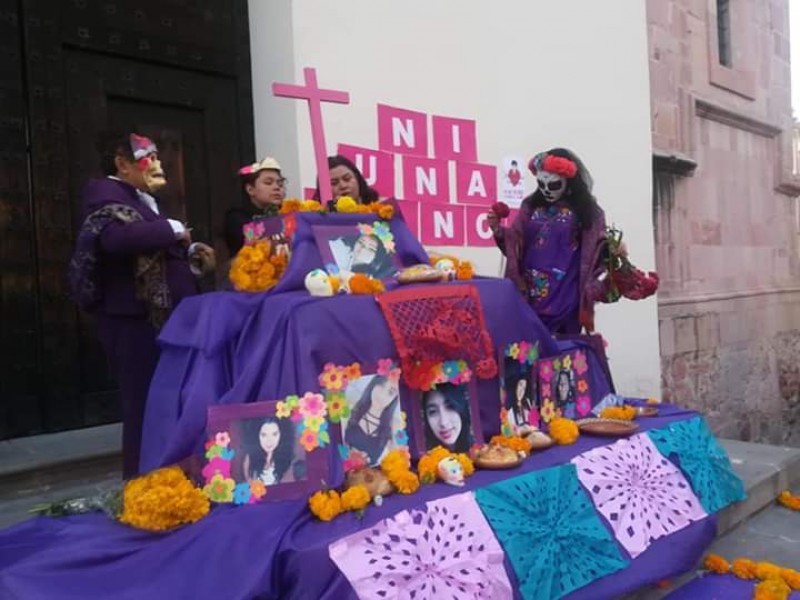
[553,164]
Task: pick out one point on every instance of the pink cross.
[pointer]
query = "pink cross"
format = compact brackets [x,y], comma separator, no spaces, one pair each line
[315,97]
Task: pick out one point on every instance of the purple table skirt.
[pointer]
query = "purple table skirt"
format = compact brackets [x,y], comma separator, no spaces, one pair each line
[718,587]
[225,348]
[269,551]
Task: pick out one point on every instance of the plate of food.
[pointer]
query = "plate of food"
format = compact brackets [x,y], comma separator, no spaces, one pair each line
[646,411]
[419,274]
[607,427]
[496,457]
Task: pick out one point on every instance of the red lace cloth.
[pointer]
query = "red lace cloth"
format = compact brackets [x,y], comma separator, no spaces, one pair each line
[430,325]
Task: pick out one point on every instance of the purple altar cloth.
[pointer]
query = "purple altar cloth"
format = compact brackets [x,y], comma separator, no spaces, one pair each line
[269,551]
[225,348]
[718,587]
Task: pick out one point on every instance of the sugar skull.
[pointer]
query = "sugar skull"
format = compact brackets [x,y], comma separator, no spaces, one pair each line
[551,185]
[446,267]
[451,471]
[318,283]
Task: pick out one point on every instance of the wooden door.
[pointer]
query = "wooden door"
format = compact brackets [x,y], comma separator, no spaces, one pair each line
[175,70]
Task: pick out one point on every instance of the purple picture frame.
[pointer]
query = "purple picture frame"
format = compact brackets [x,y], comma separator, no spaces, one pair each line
[305,473]
[465,396]
[388,261]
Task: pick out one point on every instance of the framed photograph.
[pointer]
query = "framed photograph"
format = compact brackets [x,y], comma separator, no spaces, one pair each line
[376,424]
[363,248]
[448,416]
[519,396]
[564,386]
[258,451]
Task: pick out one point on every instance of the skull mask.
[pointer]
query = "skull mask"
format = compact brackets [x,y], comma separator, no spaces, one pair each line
[551,185]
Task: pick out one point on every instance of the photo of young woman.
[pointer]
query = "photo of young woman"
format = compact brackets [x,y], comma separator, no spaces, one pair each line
[362,254]
[374,402]
[269,450]
[565,393]
[446,417]
[520,391]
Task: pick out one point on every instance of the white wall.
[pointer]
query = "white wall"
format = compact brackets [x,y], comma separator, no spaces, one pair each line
[533,74]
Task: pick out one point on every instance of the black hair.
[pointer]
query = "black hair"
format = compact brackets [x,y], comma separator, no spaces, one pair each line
[111,144]
[366,194]
[577,194]
[375,267]
[384,431]
[456,398]
[571,392]
[511,379]
[283,454]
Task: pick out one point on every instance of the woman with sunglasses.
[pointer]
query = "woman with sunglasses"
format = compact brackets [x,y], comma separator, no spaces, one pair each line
[556,246]
[263,191]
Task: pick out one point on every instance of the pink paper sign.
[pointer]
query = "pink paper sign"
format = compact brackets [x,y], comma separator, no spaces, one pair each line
[410,212]
[454,139]
[425,179]
[476,183]
[477,226]
[377,167]
[402,131]
[441,224]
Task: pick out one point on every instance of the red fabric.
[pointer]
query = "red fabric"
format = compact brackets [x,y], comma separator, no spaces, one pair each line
[432,324]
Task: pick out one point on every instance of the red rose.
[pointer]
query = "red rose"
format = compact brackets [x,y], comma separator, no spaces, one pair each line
[501,210]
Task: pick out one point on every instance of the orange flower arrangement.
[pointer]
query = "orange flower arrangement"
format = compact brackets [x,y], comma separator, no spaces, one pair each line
[789,500]
[772,589]
[361,284]
[355,498]
[516,443]
[256,269]
[397,468]
[162,500]
[564,431]
[326,505]
[744,568]
[621,413]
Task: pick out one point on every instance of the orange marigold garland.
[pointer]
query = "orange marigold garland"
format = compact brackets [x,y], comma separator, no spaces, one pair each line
[564,431]
[162,500]
[355,498]
[717,564]
[787,499]
[326,505]
[620,413]
[776,581]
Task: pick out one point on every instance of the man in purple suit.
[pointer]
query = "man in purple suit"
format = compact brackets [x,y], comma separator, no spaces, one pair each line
[131,267]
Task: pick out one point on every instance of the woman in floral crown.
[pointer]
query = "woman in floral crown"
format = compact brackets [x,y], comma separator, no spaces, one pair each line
[556,246]
[263,191]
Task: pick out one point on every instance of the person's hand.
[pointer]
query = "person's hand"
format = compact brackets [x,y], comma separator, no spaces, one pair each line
[185,237]
[203,257]
[493,220]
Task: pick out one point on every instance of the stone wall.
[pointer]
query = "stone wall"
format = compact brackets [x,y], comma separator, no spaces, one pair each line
[727,231]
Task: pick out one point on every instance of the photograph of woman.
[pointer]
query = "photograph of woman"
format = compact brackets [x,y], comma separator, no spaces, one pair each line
[374,416]
[268,446]
[565,393]
[519,391]
[446,418]
[362,254]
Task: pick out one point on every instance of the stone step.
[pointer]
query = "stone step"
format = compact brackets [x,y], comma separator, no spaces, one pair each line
[48,468]
[748,528]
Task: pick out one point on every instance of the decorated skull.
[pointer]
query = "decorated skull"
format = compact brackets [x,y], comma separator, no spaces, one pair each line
[551,185]
[446,267]
[451,471]
[318,283]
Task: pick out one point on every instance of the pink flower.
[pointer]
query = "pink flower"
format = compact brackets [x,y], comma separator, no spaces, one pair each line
[385,366]
[523,351]
[546,371]
[583,405]
[222,439]
[533,417]
[546,391]
[313,405]
[356,459]
[215,466]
